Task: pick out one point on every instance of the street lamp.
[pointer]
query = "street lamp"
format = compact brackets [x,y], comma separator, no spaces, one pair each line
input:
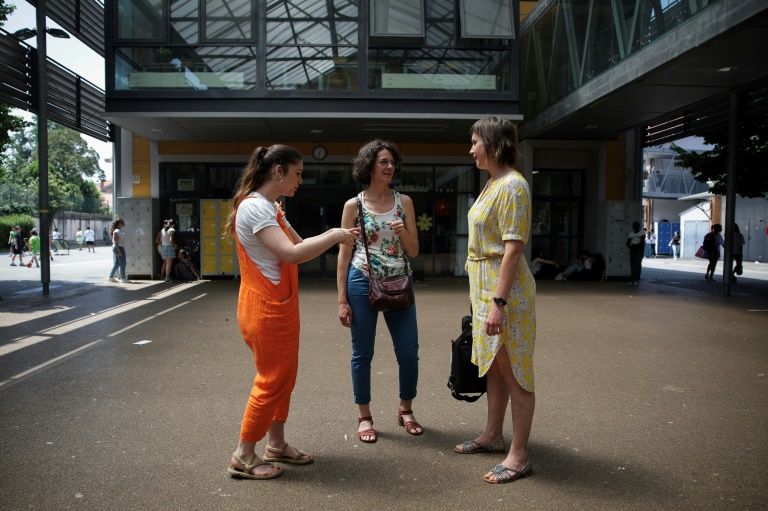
[42,133]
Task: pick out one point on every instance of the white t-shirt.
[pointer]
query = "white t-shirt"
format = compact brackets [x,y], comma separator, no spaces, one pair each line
[636,238]
[118,238]
[165,236]
[90,235]
[56,235]
[254,215]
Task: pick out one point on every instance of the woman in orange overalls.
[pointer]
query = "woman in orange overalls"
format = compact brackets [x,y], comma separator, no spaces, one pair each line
[269,250]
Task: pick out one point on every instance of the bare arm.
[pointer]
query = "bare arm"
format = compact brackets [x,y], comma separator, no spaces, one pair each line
[513,251]
[407,232]
[276,241]
[348,217]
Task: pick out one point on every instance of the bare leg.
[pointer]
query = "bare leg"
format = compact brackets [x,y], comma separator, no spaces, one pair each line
[498,397]
[523,404]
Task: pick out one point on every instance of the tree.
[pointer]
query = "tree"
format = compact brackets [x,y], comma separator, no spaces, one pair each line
[8,123]
[752,159]
[71,162]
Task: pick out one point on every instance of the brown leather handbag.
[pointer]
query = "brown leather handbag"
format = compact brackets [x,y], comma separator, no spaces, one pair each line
[393,292]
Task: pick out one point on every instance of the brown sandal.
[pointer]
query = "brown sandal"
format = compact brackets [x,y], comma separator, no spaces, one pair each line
[370,432]
[412,427]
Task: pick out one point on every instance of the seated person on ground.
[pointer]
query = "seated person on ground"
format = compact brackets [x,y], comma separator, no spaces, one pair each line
[575,266]
[184,269]
[543,268]
[594,271]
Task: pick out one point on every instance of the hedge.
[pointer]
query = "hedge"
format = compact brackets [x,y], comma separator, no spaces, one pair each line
[8,222]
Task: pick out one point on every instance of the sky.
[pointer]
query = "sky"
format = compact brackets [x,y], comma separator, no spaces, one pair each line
[71,54]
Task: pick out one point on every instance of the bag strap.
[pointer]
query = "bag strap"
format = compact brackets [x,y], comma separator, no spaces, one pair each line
[461,397]
[362,231]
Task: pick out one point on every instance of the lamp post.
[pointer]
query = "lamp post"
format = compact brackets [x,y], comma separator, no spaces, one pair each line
[42,133]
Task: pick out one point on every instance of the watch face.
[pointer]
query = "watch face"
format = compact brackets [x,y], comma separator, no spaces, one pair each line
[319,152]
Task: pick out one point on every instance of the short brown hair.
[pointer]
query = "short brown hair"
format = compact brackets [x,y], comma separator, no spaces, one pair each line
[499,135]
[363,164]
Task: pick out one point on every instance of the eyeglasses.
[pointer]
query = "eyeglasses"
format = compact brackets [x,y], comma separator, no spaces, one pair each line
[385,163]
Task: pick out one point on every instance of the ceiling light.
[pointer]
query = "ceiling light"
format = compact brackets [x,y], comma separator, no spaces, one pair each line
[316,131]
[726,69]
[590,127]
[155,130]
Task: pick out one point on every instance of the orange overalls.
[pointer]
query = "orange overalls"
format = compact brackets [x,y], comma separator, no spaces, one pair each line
[268,316]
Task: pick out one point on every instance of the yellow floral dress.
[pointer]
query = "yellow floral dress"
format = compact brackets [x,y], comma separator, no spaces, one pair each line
[502,212]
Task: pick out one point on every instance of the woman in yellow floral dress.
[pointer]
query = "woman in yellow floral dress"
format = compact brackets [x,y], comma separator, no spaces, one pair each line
[503,294]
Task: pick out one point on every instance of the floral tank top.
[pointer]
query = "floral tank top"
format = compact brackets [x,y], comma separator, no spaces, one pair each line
[384,245]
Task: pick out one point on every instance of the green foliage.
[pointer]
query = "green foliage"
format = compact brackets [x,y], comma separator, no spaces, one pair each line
[8,123]
[70,163]
[7,223]
[751,164]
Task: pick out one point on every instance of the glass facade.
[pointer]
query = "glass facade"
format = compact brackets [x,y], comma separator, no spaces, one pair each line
[557,223]
[573,42]
[312,45]
[441,194]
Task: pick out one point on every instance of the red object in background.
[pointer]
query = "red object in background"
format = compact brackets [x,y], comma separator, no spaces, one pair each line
[443,207]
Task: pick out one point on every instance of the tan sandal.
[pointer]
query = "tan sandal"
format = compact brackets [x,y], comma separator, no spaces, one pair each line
[370,432]
[245,473]
[281,458]
[412,427]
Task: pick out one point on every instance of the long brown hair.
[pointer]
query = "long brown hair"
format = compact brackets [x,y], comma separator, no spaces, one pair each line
[257,172]
[114,225]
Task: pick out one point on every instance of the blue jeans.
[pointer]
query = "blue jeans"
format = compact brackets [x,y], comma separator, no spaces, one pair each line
[119,262]
[405,338]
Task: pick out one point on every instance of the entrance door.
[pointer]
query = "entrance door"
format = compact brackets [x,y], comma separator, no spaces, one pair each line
[311,214]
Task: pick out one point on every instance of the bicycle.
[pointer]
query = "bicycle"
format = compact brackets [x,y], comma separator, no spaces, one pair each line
[60,245]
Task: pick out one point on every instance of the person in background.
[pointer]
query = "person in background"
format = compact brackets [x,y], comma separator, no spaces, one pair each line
[712,243]
[503,296]
[674,243]
[105,237]
[269,251]
[184,269]
[34,248]
[90,239]
[56,237]
[650,244]
[738,251]
[390,231]
[575,266]
[636,245]
[542,268]
[167,248]
[80,237]
[118,249]
[17,248]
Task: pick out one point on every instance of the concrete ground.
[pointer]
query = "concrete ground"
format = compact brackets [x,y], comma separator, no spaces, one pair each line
[648,397]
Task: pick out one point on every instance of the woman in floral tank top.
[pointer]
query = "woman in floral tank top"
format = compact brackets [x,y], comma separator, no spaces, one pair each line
[390,230]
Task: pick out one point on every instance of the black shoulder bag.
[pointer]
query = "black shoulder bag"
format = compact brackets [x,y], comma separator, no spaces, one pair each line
[464,378]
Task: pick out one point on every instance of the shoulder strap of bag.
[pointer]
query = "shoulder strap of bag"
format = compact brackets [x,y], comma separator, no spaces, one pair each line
[362,231]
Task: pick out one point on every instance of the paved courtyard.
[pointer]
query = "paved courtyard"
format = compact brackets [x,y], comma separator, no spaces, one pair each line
[648,397]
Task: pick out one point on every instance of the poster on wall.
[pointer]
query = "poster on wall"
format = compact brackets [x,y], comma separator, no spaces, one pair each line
[184,214]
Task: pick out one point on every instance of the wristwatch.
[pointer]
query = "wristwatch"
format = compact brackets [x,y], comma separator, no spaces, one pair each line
[499,301]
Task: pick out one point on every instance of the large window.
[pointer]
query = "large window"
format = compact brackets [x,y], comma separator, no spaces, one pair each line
[140,19]
[312,45]
[487,19]
[397,18]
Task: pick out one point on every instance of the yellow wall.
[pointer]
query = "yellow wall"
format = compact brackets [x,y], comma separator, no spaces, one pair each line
[525,8]
[615,168]
[335,148]
[142,167]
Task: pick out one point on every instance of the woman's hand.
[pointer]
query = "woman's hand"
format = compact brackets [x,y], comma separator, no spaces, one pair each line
[345,314]
[495,322]
[349,236]
[398,226]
